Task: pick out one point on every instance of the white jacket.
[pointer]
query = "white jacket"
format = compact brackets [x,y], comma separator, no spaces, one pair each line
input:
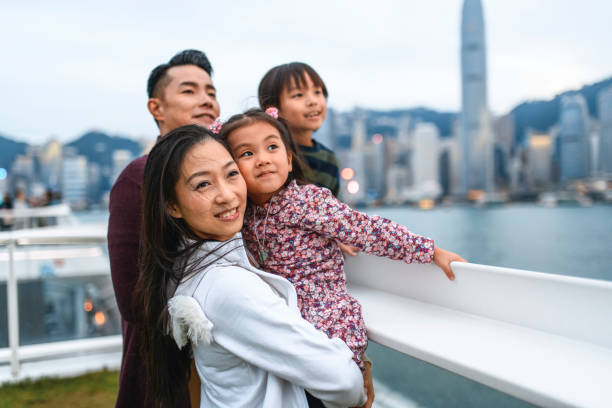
[251,346]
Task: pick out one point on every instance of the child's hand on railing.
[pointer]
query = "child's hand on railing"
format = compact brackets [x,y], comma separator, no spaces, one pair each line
[443,258]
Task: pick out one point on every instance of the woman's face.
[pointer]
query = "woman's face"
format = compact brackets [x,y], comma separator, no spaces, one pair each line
[210,192]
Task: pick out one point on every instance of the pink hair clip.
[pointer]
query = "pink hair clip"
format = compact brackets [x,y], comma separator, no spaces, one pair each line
[272,111]
[216,126]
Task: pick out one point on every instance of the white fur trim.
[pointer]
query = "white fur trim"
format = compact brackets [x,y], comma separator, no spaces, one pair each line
[189,323]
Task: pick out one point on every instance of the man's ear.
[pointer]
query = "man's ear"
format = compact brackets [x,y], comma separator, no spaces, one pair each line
[156,108]
[174,211]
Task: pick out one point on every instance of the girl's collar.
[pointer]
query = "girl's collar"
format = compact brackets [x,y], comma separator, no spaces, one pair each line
[278,200]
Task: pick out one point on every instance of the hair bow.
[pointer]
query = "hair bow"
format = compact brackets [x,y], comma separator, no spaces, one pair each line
[272,111]
[216,126]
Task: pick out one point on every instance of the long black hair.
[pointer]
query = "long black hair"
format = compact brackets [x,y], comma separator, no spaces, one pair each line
[167,247]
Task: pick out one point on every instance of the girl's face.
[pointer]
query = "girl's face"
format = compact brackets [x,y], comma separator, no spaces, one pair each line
[303,108]
[262,158]
[210,192]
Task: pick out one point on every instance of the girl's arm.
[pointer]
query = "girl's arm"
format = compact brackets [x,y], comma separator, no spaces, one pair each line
[323,213]
[256,325]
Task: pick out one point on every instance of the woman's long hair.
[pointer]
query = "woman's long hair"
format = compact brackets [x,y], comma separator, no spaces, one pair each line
[167,245]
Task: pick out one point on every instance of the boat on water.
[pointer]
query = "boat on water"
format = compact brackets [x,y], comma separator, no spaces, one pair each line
[552,199]
[545,339]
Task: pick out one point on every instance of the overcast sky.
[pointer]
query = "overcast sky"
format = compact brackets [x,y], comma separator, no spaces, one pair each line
[67,67]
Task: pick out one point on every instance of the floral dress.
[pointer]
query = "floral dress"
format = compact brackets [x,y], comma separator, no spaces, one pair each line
[294,235]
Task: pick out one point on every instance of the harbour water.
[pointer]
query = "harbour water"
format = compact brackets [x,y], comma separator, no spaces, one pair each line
[568,240]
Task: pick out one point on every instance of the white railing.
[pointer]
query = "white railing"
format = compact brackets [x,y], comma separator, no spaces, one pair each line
[15,243]
[22,218]
[543,338]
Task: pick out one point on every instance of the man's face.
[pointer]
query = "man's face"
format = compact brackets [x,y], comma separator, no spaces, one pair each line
[189,97]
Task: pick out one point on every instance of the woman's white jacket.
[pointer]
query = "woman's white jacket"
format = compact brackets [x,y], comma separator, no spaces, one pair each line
[250,344]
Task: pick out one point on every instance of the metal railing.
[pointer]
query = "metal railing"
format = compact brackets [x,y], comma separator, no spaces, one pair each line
[16,242]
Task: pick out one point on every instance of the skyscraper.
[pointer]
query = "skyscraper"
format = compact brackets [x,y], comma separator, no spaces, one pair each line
[574,137]
[426,160]
[476,137]
[605,133]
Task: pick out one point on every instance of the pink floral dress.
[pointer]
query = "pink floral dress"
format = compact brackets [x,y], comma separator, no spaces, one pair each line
[294,235]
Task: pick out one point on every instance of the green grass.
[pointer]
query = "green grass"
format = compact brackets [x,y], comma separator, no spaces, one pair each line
[90,390]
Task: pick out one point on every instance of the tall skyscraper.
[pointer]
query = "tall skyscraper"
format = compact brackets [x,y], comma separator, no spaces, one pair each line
[605,132]
[476,129]
[574,138]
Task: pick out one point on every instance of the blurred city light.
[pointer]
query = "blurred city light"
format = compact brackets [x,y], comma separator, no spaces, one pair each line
[3,173]
[100,318]
[377,138]
[352,187]
[347,173]
[88,306]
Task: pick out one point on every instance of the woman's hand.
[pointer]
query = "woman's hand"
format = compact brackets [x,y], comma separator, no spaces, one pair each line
[348,250]
[443,258]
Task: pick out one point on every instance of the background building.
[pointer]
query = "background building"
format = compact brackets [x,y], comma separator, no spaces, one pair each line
[574,149]
[539,160]
[476,130]
[74,180]
[426,145]
[605,132]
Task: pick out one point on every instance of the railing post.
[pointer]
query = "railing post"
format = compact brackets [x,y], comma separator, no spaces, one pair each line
[13,311]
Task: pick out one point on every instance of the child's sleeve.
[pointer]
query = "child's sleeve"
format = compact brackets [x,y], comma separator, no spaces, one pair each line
[325,214]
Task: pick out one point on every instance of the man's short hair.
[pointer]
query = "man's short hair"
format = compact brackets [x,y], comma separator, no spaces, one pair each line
[158,78]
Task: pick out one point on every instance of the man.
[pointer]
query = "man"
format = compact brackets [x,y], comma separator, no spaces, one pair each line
[180,92]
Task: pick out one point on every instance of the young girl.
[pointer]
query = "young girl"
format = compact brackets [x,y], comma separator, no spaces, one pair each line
[300,95]
[293,228]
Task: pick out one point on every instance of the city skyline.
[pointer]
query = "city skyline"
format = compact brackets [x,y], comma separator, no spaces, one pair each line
[82,68]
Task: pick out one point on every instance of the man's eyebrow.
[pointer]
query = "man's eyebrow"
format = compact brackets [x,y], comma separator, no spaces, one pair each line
[188,83]
[210,86]
[207,172]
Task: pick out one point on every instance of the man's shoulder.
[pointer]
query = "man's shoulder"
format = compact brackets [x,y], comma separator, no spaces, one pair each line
[135,168]
[133,172]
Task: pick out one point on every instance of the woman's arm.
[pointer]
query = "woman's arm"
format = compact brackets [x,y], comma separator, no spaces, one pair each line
[256,325]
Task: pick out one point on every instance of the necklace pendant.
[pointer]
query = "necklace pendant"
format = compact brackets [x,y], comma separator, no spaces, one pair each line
[262,255]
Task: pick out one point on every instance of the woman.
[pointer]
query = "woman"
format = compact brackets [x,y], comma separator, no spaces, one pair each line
[251,346]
